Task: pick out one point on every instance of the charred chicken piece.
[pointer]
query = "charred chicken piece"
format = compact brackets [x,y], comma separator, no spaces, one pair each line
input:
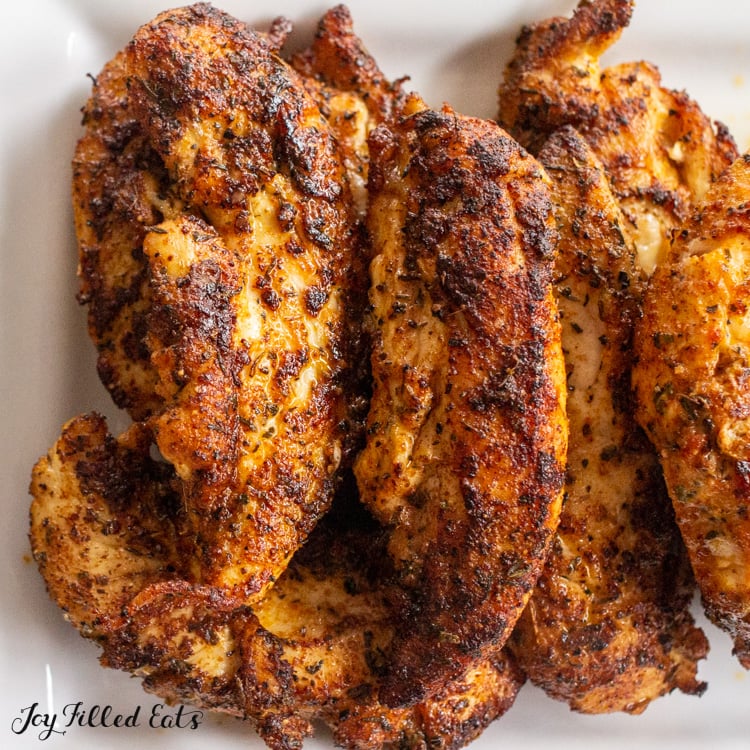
[352,92]
[608,627]
[659,150]
[693,349]
[101,521]
[218,255]
[465,450]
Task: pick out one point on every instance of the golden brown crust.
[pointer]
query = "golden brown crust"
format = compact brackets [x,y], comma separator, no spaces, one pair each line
[338,58]
[225,299]
[312,650]
[331,622]
[553,79]
[693,397]
[120,188]
[353,94]
[465,442]
[608,627]
[659,150]
[98,502]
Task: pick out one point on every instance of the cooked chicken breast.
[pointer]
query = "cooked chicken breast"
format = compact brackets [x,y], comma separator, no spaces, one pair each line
[659,150]
[693,352]
[466,434]
[101,521]
[219,253]
[331,618]
[103,534]
[608,627]
[352,92]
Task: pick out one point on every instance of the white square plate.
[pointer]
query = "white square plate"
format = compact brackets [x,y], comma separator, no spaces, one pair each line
[454,52]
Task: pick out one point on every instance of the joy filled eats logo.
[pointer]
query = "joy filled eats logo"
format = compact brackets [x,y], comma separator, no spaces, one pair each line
[31,720]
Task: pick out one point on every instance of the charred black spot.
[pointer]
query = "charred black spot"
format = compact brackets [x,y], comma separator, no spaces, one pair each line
[270,299]
[315,299]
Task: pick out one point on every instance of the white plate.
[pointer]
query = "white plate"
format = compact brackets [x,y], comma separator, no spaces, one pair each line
[454,52]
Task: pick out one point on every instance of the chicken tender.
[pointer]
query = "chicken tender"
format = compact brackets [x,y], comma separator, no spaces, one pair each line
[693,350]
[351,91]
[608,627]
[219,254]
[659,150]
[312,650]
[465,451]
[100,505]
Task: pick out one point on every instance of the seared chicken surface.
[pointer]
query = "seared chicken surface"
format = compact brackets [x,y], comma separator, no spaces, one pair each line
[465,447]
[659,150]
[222,286]
[313,649]
[330,616]
[608,626]
[120,188]
[353,94]
[693,350]
[101,521]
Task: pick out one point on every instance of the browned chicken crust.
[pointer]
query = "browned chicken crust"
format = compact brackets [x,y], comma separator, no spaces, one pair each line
[99,504]
[353,94]
[103,534]
[694,394]
[120,188]
[465,448]
[608,626]
[219,256]
[658,149]
[338,60]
